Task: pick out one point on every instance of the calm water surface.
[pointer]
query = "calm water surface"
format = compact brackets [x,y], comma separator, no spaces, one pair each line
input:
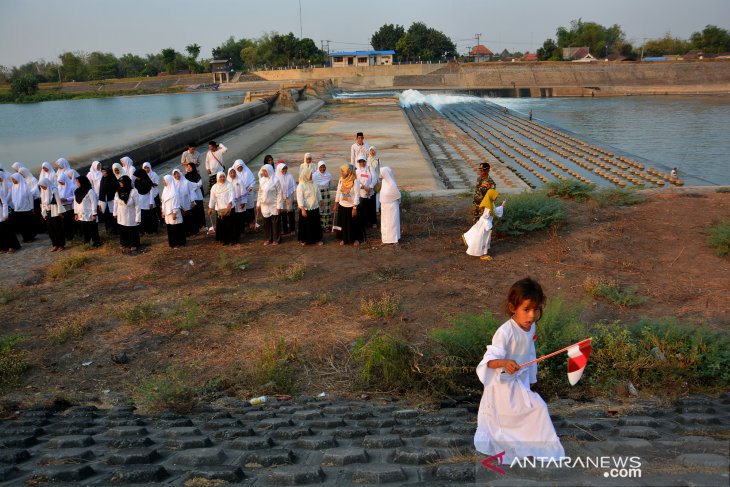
[33,133]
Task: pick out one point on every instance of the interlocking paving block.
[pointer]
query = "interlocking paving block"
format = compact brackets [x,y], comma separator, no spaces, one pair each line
[578,434]
[430,420]
[221,415]
[252,443]
[452,412]
[379,422]
[226,473]
[217,424]
[174,423]
[66,456]
[23,431]
[200,456]
[644,432]
[697,418]
[180,431]
[274,423]
[258,415]
[291,432]
[113,423]
[62,473]
[31,421]
[138,442]
[132,456]
[316,442]
[446,440]
[335,409]
[18,441]
[382,441]
[188,442]
[139,475]
[8,456]
[463,429]
[296,475]
[410,431]
[268,458]
[383,409]
[406,414]
[228,434]
[7,473]
[456,472]
[127,431]
[71,441]
[704,460]
[588,424]
[306,415]
[343,456]
[358,415]
[378,473]
[326,423]
[350,432]
[624,445]
[638,421]
[411,455]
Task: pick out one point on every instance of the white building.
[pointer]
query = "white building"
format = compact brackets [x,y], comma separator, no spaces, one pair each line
[361,58]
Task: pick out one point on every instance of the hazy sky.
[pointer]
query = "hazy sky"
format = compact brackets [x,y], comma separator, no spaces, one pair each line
[43,29]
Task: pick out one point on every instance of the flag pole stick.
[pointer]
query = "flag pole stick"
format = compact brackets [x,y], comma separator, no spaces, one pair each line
[540,359]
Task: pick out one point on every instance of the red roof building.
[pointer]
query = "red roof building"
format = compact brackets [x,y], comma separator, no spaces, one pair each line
[481,53]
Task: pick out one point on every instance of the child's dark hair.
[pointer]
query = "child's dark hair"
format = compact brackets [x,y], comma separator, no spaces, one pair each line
[525,289]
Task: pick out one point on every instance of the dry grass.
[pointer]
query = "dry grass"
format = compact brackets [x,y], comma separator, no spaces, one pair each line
[384,307]
[292,272]
[63,268]
[69,331]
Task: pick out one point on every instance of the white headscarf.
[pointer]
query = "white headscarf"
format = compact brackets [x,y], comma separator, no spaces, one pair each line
[47,194]
[321,179]
[170,190]
[287,182]
[62,165]
[94,172]
[268,181]
[48,173]
[183,190]
[65,187]
[220,189]
[18,166]
[31,181]
[236,182]
[6,187]
[154,177]
[389,190]
[21,194]
[122,171]
[248,177]
[128,165]
[309,190]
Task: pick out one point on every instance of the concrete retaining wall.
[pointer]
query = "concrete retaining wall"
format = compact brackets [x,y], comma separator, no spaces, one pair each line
[171,141]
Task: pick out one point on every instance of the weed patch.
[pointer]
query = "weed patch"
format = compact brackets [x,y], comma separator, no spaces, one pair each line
[386,361]
[277,369]
[725,189]
[528,212]
[612,292]
[293,272]
[62,269]
[8,294]
[225,262]
[617,197]
[384,307]
[69,331]
[408,199]
[186,315]
[139,314]
[13,362]
[170,391]
[570,189]
[719,238]
[322,299]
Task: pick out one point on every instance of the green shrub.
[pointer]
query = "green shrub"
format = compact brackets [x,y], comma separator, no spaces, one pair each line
[408,199]
[384,307]
[225,262]
[13,362]
[386,362]
[171,391]
[62,269]
[186,314]
[277,369]
[531,211]
[467,338]
[613,293]
[726,189]
[570,189]
[70,331]
[719,238]
[617,197]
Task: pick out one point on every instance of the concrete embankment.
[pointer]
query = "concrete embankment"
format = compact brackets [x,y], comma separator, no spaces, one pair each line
[172,140]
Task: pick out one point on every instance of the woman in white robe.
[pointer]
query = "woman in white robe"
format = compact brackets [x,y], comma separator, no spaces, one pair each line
[118,170]
[479,236]
[310,230]
[32,183]
[52,211]
[249,184]
[288,195]
[221,203]
[240,197]
[48,173]
[267,204]
[8,240]
[22,197]
[86,205]
[155,178]
[170,204]
[389,208]
[186,193]
[323,179]
[129,168]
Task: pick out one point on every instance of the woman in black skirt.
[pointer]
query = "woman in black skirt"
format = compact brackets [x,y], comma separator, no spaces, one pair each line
[8,241]
[310,230]
[346,201]
[52,212]
[221,202]
[128,213]
[172,214]
[145,186]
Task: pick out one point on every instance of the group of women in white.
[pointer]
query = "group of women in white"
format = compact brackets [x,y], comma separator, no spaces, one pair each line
[133,201]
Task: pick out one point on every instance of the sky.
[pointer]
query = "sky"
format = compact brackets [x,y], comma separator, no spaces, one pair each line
[42,29]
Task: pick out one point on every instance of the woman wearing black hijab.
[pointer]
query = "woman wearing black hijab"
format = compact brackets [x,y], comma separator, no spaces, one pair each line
[144,186]
[107,190]
[128,213]
[196,217]
[85,210]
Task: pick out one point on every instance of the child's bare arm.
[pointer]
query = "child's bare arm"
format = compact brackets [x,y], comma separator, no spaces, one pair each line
[509,365]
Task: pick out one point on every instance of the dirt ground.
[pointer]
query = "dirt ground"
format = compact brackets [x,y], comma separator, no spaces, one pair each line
[213,309]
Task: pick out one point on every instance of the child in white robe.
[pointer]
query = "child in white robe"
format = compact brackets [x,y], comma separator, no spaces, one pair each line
[512,418]
[479,236]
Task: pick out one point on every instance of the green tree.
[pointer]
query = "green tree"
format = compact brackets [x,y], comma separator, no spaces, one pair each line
[426,43]
[131,65]
[250,56]
[386,38]
[549,51]
[666,45]
[231,49]
[73,66]
[24,85]
[193,51]
[169,58]
[712,39]
[600,40]
[102,65]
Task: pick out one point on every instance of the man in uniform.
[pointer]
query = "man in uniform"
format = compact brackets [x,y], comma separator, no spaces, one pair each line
[484,184]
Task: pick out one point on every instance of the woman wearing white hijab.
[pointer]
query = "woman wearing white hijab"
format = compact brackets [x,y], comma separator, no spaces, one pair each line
[155,192]
[389,208]
[374,164]
[86,204]
[8,241]
[170,204]
[323,179]
[310,230]
[307,163]
[52,211]
[17,166]
[6,187]
[221,202]
[66,189]
[128,166]
[268,203]
[63,166]
[249,184]
[48,173]
[186,194]
[94,176]
[288,188]
[32,183]
[118,170]
[238,226]
[23,205]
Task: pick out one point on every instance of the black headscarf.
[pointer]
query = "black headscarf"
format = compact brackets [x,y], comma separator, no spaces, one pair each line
[108,185]
[193,175]
[125,188]
[83,189]
[144,183]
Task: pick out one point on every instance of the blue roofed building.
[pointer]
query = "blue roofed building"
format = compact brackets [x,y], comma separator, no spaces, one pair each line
[361,58]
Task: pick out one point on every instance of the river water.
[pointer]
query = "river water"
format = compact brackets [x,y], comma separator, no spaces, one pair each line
[37,132]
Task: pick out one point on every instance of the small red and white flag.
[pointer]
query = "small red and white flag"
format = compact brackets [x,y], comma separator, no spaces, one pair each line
[577,359]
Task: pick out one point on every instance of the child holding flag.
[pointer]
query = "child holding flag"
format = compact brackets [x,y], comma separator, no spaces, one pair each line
[512,418]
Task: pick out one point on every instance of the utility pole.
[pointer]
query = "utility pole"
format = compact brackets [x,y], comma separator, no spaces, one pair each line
[477,36]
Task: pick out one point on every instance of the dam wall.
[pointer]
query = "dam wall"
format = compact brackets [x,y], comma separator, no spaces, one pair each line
[529,78]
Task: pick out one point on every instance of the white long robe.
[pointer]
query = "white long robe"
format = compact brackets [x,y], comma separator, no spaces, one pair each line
[479,236]
[511,417]
[389,207]
[128,214]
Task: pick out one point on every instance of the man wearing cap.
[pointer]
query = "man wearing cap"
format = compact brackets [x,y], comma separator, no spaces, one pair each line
[484,184]
[359,149]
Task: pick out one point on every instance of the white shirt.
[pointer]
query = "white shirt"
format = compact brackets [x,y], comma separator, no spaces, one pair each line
[349,199]
[170,207]
[50,210]
[214,160]
[128,214]
[87,208]
[220,201]
[269,201]
[367,181]
[359,152]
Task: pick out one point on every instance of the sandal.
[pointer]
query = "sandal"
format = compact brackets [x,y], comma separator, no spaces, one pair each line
[486,257]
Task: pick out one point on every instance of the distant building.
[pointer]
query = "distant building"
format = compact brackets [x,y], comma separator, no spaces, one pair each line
[361,58]
[587,58]
[529,56]
[570,53]
[481,53]
[616,57]
[221,69]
